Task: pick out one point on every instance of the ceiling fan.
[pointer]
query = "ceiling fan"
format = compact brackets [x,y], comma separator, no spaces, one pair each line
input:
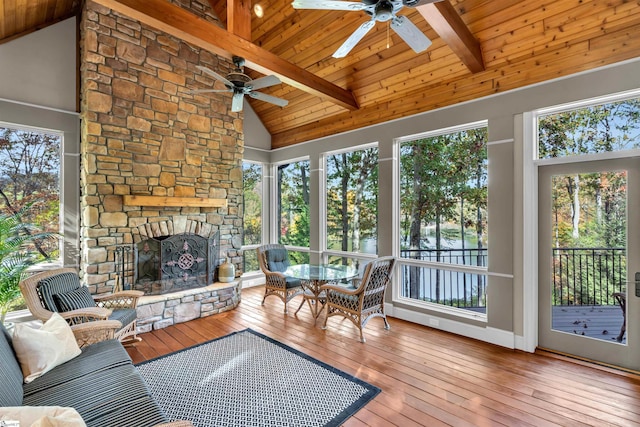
[240,85]
[379,10]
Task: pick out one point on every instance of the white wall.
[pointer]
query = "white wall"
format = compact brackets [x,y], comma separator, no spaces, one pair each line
[255,134]
[40,68]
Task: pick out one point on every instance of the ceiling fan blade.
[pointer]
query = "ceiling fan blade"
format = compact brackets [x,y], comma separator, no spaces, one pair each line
[264,82]
[410,33]
[328,5]
[268,98]
[210,90]
[236,102]
[416,3]
[214,75]
[354,39]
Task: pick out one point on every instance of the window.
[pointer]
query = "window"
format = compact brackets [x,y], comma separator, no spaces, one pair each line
[30,176]
[293,207]
[252,216]
[443,218]
[352,201]
[351,206]
[590,129]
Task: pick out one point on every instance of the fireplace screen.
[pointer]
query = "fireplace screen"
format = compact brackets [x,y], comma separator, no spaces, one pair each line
[174,263]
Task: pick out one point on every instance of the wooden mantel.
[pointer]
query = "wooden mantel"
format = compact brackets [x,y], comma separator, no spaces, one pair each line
[173,201]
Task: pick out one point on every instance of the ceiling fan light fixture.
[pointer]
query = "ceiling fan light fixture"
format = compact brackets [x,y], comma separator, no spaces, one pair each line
[383,11]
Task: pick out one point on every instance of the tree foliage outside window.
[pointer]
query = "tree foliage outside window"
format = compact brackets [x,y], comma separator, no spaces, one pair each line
[293,206]
[352,201]
[599,128]
[252,215]
[589,209]
[30,176]
[252,194]
[443,214]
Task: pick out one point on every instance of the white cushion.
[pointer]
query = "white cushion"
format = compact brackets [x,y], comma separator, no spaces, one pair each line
[42,416]
[41,350]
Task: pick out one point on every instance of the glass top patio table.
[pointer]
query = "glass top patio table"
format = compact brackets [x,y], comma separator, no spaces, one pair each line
[320,272]
[312,277]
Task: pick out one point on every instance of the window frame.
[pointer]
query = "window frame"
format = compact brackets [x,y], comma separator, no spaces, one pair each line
[264,224]
[570,106]
[483,271]
[61,182]
[274,232]
[322,226]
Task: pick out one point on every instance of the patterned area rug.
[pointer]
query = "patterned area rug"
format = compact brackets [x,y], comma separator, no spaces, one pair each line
[248,379]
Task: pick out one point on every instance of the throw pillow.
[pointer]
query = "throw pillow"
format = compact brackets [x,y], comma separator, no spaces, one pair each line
[56,284]
[72,300]
[42,416]
[41,350]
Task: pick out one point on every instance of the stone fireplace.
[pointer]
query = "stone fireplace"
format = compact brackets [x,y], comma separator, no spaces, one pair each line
[153,153]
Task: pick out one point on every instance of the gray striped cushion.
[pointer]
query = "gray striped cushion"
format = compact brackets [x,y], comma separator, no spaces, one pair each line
[10,372]
[125,315]
[57,284]
[96,357]
[72,300]
[99,395]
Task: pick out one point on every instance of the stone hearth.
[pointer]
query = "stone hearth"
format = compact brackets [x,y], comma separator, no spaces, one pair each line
[160,311]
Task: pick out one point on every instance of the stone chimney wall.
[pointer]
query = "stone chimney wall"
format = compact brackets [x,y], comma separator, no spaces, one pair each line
[143,133]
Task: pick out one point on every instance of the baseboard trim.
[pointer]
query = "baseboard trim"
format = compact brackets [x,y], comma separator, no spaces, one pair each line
[487,334]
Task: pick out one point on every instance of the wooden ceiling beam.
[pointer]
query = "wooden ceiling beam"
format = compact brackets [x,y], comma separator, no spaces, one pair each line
[239,18]
[445,20]
[186,26]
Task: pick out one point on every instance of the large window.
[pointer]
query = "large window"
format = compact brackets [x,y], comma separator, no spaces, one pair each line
[252,215]
[443,218]
[293,207]
[30,178]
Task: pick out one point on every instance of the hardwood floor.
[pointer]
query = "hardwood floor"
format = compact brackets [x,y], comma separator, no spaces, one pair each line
[427,377]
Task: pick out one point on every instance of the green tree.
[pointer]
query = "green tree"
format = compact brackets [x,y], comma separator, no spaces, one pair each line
[293,203]
[252,201]
[30,175]
[352,187]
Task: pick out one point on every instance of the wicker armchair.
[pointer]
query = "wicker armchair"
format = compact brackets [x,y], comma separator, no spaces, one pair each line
[365,300]
[40,290]
[274,259]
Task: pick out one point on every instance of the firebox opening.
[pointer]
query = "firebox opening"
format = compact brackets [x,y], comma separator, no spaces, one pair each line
[174,263]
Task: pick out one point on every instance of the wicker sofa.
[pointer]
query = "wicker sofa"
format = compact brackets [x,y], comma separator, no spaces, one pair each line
[101,384]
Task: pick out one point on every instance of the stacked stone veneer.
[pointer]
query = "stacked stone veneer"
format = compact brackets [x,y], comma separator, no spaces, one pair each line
[160,311]
[143,133]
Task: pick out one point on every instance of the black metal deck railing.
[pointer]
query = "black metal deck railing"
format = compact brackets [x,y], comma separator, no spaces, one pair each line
[588,276]
[447,287]
[581,276]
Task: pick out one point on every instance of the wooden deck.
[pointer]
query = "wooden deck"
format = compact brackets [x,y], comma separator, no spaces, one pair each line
[601,322]
[428,377]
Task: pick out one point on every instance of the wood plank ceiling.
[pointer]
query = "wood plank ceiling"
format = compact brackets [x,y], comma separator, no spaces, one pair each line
[520,43]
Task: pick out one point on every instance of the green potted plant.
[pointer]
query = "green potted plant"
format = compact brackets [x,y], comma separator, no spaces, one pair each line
[20,248]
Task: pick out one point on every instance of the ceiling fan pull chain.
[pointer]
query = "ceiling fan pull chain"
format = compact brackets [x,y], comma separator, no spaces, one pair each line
[388,26]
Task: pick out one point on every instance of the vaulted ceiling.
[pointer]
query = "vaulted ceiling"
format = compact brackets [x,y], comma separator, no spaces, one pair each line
[480,47]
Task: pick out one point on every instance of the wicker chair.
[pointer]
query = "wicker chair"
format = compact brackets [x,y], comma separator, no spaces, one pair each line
[365,300]
[41,289]
[274,259]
